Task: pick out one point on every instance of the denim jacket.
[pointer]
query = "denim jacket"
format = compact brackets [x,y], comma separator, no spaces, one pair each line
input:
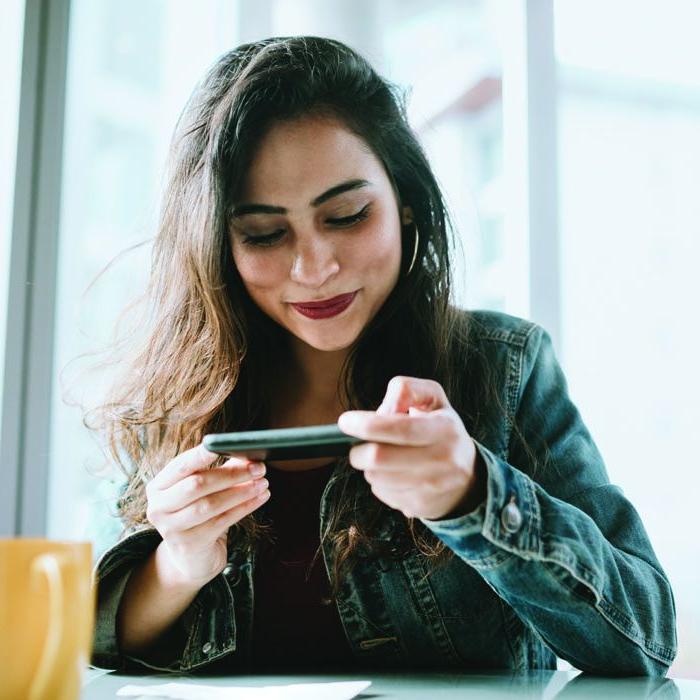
[555,561]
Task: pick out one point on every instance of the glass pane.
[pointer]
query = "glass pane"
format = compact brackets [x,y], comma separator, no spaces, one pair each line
[454,83]
[630,162]
[131,67]
[11,31]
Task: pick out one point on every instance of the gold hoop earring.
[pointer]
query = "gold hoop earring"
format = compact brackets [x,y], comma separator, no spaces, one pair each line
[415,252]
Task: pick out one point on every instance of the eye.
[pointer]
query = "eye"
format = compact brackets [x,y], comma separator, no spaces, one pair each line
[350,220]
[265,241]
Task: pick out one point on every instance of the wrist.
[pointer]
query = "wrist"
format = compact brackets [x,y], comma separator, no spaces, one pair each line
[476,492]
[173,578]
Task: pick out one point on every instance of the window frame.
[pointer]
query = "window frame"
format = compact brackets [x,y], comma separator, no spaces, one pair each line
[26,395]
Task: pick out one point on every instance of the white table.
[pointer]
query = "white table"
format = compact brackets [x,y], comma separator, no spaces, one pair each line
[100,685]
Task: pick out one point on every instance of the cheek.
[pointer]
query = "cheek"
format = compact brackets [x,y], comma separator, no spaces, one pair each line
[259,272]
[379,248]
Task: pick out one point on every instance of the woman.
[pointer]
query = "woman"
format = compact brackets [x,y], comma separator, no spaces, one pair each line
[475,528]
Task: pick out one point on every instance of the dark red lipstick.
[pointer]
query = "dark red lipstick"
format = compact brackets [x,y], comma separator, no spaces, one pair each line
[325,308]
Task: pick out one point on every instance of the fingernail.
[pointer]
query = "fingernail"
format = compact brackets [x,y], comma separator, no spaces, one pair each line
[257,469]
[346,420]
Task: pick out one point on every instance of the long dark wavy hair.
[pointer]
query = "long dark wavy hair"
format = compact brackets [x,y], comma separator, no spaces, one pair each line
[203,366]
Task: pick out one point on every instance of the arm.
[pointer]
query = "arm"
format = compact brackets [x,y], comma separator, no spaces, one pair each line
[155,587]
[112,575]
[181,646]
[562,545]
[154,598]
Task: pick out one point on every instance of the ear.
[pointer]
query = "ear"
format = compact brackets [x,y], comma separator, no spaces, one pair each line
[406,215]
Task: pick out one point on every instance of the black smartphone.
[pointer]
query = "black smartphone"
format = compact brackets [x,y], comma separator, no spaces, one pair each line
[283,443]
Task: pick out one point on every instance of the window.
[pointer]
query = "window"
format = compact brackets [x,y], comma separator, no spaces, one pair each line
[447,55]
[629,158]
[127,83]
[11,29]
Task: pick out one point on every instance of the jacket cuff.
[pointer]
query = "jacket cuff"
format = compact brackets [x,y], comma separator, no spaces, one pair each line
[105,653]
[111,575]
[507,523]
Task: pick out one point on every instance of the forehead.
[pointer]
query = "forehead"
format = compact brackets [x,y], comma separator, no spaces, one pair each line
[300,159]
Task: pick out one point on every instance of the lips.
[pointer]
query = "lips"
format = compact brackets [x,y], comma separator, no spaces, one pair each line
[326,307]
[325,303]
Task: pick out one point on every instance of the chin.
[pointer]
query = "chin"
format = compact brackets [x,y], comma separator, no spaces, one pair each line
[331,344]
[330,339]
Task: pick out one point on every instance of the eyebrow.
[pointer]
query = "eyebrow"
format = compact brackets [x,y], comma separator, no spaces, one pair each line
[243,209]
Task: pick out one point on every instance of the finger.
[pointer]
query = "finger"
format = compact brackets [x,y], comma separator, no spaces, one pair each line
[183,465]
[212,528]
[391,482]
[387,457]
[203,483]
[212,505]
[410,503]
[416,482]
[238,459]
[393,500]
[405,392]
[398,429]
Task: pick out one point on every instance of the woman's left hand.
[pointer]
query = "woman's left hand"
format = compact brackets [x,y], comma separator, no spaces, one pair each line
[419,457]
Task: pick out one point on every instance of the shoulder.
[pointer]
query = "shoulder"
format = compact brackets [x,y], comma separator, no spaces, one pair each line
[506,352]
[500,328]
[508,369]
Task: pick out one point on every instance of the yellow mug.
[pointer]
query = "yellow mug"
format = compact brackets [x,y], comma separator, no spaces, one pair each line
[47,614]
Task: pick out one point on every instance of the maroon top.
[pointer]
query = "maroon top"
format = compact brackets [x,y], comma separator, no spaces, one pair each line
[294,621]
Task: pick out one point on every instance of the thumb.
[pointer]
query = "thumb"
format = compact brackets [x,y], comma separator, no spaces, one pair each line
[413,411]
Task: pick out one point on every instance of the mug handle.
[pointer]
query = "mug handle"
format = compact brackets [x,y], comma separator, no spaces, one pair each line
[50,566]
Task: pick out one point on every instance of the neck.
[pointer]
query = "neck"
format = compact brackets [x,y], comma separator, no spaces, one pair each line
[313,374]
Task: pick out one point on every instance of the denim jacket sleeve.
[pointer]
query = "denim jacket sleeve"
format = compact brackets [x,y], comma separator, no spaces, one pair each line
[179,648]
[560,543]
[112,573]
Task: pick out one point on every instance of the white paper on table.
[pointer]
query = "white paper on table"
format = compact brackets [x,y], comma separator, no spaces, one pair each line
[343,690]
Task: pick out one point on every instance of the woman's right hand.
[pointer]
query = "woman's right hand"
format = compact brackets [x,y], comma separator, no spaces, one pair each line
[193,506]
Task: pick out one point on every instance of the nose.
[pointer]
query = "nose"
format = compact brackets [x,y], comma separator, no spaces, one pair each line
[314,263]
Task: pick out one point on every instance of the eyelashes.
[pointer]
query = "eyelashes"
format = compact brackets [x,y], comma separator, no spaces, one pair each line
[344,222]
[350,220]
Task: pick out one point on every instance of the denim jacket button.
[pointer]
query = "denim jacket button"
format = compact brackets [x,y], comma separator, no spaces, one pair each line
[227,570]
[511,517]
[207,648]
